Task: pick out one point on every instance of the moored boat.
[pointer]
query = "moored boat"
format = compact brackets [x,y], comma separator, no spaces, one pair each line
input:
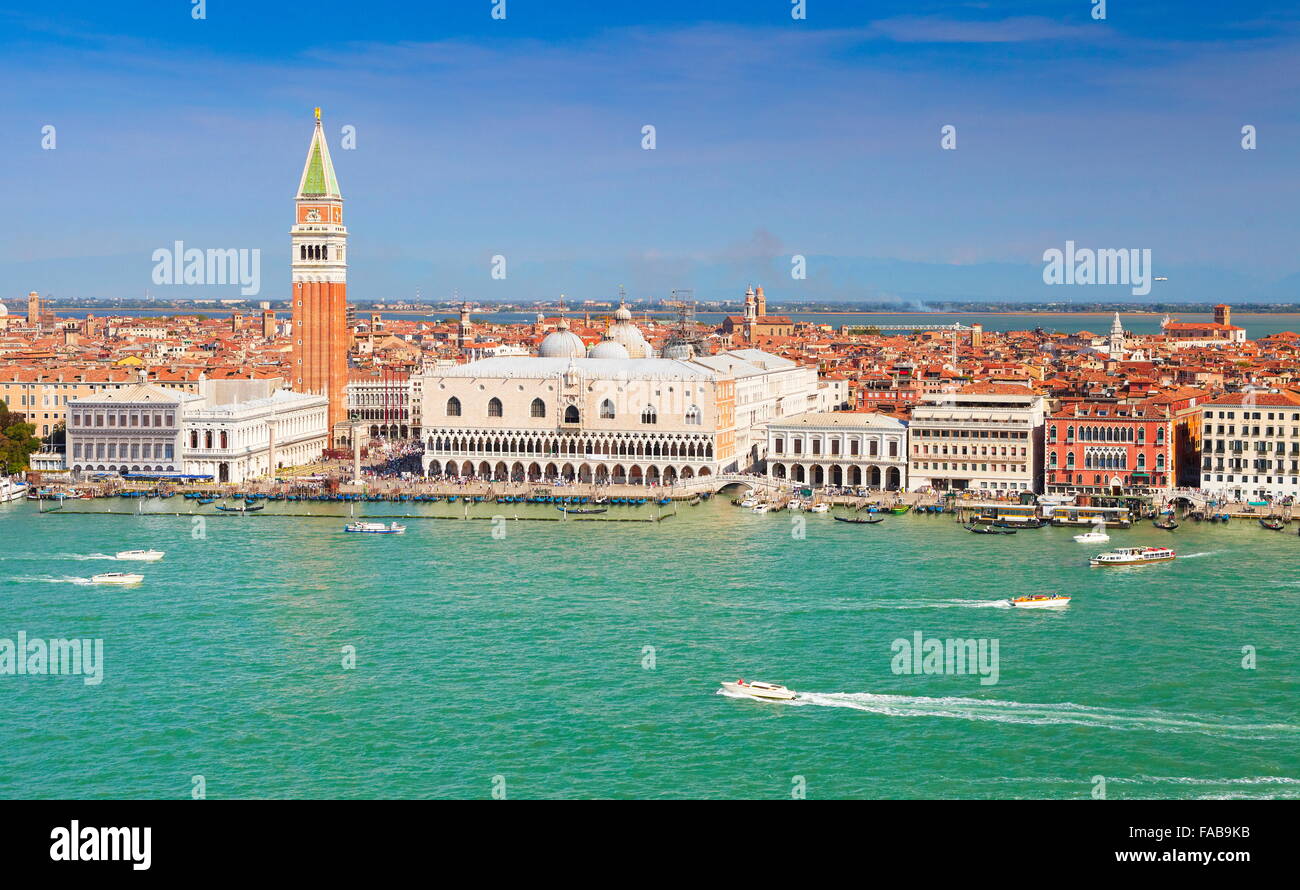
[12,491]
[760,690]
[1273,523]
[860,520]
[1127,556]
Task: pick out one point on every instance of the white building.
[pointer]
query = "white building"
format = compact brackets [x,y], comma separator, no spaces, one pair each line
[232,430]
[839,448]
[1250,446]
[136,429]
[984,436]
[564,415]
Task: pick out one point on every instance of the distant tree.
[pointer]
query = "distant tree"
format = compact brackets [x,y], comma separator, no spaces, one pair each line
[17,442]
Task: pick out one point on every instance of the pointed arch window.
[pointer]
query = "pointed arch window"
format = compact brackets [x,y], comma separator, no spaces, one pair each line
[494,407]
[453,407]
[649,415]
[537,409]
[607,410]
[693,416]
[571,414]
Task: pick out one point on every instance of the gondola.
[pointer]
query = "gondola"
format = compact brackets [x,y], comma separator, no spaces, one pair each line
[581,511]
[1167,524]
[1273,523]
[856,521]
[988,530]
[243,509]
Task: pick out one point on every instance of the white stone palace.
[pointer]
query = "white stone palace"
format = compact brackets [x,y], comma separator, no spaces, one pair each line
[839,448]
[232,430]
[609,417]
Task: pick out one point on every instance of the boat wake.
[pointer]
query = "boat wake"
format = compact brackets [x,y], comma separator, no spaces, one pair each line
[1204,553]
[1065,713]
[49,579]
[951,604]
[44,556]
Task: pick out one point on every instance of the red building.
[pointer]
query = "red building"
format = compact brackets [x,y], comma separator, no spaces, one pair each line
[1111,449]
[320,328]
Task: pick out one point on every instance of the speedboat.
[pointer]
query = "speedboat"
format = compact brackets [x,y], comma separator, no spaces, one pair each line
[795,505]
[1041,601]
[1127,556]
[1092,538]
[761,508]
[749,502]
[120,578]
[141,555]
[374,528]
[820,508]
[12,491]
[760,690]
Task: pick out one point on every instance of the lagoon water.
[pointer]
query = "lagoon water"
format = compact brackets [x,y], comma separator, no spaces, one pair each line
[525,657]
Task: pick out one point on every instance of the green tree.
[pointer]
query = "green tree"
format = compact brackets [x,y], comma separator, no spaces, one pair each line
[17,441]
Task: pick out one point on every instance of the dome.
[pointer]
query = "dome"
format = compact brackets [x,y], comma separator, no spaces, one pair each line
[622,313]
[4,310]
[609,349]
[562,343]
[682,351]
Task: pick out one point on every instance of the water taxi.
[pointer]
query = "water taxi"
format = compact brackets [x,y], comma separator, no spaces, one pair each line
[374,528]
[760,508]
[1041,601]
[820,508]
[141,555]
[749,502]
[12,491]
[760,690]
[1097,537]
[1127,556]
[120,578]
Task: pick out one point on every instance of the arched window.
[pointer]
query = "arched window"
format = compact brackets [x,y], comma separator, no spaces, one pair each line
[494,407]
[453,407]
[1052,460]
[649,415]
[1142,460]
[1069,460]
[693,416]
[537,409]
[1052,437]
[1160,435]
[1069,434]
[571,414]
[1160,463]
[607,410]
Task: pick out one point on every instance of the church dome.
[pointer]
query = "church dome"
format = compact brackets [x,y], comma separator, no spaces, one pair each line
[562,343]
[622,313]
[609,349]
[627,334]
[4,310]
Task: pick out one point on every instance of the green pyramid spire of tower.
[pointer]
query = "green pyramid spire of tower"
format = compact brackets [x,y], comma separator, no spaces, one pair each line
[318,179]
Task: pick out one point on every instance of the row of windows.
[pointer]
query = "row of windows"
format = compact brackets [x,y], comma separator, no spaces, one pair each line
[124,419]
[855,447]
[1105,460]
[1108,434]
[1252,415]
[649,415]
[969,434]
[113,451]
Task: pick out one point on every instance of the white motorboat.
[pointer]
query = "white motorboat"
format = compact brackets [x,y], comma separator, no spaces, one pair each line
[761,508]
[1092,538]
[760,690]
[12,491]
[120,578]
[1041,601]
[749,502]
[820,508]
[795,505]
[141,555]
[374,528]
[1128,556]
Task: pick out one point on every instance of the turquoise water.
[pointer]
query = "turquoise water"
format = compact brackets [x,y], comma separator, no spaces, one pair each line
[523,657]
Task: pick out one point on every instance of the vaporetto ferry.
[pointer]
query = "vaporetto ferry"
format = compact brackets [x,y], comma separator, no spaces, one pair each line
[1128,556]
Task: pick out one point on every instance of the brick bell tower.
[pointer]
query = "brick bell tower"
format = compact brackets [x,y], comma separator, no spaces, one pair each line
[320,271]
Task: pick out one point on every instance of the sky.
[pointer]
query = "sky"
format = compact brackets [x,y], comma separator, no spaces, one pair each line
[775,137]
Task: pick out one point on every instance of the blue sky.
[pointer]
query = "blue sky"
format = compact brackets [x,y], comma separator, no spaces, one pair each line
[775,137]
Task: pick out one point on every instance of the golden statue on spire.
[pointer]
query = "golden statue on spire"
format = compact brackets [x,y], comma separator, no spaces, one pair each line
[318,112]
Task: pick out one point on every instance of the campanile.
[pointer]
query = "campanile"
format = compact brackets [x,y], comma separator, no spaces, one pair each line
[320,267]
